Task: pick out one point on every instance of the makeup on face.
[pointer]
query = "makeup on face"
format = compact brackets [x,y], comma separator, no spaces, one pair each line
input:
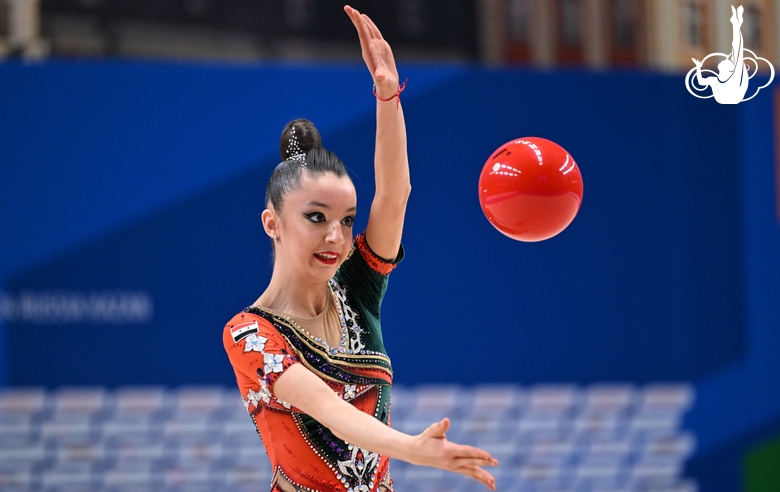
[325,207]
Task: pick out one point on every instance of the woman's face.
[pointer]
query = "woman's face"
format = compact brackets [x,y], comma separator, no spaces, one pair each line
[315,226]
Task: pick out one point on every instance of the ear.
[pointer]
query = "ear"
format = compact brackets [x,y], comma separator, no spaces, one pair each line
[270,222]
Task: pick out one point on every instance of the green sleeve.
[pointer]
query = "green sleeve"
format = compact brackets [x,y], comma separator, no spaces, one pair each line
[365,275]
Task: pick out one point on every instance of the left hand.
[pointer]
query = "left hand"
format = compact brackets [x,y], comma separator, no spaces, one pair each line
[376,53]
[431,448]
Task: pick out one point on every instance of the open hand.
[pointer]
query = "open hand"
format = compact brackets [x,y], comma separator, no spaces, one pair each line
[433,449]
[376,53]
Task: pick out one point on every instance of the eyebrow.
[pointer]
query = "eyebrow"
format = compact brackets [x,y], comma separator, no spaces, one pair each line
[320,204]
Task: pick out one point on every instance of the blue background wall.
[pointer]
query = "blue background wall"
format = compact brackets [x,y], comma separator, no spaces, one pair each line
[150,177]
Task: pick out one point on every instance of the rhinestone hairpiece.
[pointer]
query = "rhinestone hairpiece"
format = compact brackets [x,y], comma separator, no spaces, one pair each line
[294,152]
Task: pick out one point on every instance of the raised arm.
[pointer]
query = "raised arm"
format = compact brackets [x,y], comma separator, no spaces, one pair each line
[701,80]
[737,46]
[391,162]
[301,388]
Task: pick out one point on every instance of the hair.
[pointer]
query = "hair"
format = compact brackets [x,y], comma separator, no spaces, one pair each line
[299,137]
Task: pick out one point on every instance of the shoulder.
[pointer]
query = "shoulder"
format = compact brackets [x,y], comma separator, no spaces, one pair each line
[248,328]
[365,273]
[242,325]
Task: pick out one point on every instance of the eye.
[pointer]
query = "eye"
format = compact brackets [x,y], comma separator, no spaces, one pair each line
[316,217]
[348,220]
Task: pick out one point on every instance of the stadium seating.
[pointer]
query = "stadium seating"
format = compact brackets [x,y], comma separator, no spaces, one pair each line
[548,438]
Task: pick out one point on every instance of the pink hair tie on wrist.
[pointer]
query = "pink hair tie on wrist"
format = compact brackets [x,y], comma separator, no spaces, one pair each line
[397,94]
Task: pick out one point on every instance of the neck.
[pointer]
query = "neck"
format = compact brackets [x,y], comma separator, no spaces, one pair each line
[294,296]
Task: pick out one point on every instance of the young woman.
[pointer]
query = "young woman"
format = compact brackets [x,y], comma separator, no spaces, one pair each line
[308,354]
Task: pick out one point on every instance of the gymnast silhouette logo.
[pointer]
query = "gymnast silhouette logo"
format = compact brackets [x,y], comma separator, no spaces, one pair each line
[730,84]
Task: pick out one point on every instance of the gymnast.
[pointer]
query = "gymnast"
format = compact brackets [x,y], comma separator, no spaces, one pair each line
[308,354]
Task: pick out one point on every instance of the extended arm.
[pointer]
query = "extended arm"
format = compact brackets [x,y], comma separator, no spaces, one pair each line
[701,80]
[391,163]
[737,43]
[303,389]
[736,37]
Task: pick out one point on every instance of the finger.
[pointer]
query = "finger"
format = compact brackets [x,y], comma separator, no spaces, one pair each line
[478,474]
[363,31]
[351,12]
[358,22]
[445,425]
[367,22]
[375,30]
[483,460]
[476,462]
[438,429]
[464,451]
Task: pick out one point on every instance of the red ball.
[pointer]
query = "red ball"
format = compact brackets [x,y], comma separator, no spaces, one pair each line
[530,189]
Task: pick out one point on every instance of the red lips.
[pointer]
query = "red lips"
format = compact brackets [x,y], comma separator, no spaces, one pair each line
[327,257]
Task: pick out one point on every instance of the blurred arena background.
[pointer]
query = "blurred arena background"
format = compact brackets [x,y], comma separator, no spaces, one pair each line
[637,351]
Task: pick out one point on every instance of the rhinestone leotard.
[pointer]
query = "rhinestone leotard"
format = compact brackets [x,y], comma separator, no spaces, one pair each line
[262,344]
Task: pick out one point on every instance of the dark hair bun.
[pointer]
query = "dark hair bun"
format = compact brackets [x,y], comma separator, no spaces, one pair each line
[299,136]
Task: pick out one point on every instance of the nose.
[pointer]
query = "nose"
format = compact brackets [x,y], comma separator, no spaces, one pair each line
[335,234]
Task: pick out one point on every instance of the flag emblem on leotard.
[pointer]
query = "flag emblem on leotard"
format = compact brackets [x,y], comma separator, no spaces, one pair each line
[239,332]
